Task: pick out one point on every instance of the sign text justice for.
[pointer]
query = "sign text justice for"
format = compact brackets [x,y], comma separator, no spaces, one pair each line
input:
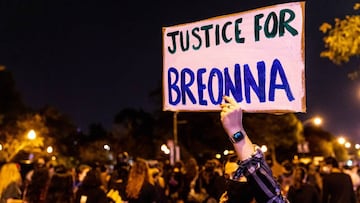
[180,83]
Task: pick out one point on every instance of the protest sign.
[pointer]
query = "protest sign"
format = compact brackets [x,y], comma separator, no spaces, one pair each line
[256,57]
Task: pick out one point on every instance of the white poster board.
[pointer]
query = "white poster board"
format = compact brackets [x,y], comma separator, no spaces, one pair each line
[256,57]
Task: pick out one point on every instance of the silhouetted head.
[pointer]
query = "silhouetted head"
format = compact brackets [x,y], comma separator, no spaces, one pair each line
[331,161]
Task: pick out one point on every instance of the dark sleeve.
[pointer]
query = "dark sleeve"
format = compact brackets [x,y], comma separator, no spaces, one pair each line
[290,194]
[259,176]
[12,191]
[102,197]
[316,196]
[148,193]
[325,190]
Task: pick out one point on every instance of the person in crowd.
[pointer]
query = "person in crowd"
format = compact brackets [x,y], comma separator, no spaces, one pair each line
[157,179]
[252,163]
[337,185]
[233,191]
[313,176]
[119,176]
[191,175]
[81,173]
[352,171]
[176,182]
[286,177]
[200,183]
[104,176]
[139,188]
[38,163]
[60,189]
[206,181]
[300,191]
[10,183]
[90,190]
[35,191]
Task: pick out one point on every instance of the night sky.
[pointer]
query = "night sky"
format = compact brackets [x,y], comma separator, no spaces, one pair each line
[91,59]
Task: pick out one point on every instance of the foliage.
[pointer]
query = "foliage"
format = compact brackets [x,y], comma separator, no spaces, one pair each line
[62,136]
[201,134]
[276,131]
[343,40]
[134,132]
[323,143]
[94,152]
[14,137]
[340,152]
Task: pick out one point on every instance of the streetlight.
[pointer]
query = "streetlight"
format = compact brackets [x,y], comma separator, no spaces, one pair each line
[317,121]
[107,147]
[49,149]
[341,140]
[347,145]
[164,148]
[31,134]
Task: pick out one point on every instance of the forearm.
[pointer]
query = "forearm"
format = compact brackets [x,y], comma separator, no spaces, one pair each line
[252,163]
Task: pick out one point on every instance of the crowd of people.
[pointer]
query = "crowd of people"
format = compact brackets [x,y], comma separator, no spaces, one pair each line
[186,181]
[244,176]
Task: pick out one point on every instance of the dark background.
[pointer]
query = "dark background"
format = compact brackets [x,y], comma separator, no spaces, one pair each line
[91,59]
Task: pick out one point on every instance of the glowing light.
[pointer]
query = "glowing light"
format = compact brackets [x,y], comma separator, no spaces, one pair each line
[226,152]
[357,146]
[31,134]
[49,149]
[218,156]
[264,148]
[317,121]
[347,145]
[1,147]
[165,149]
[341,140]
[349,162]
[106,147]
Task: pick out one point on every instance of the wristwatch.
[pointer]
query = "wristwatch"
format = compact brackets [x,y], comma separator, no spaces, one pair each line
[236,137]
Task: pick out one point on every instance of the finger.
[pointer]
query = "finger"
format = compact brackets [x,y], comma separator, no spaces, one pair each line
[230,100]
[223,105]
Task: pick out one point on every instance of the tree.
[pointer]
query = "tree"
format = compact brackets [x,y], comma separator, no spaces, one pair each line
[15,140]
[201,135]
[95,151]
[320,141]
[343,40]
[134,132]
[62,129]
[279,132]
[323,143]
